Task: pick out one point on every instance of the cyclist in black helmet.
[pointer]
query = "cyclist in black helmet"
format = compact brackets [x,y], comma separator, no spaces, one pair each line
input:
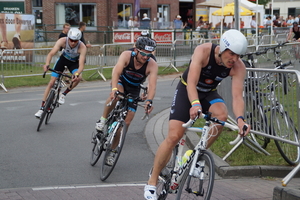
[131,70]
[145,33]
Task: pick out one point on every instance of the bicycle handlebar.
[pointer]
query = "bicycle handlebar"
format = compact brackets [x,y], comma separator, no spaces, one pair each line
[209,118]
[239,137]
[58,72]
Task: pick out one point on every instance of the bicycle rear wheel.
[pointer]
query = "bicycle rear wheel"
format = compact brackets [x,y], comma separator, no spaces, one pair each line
[192,187]
[111,155]
[46,108]
[285,129]
[164,179]
[53,101]
[98,140]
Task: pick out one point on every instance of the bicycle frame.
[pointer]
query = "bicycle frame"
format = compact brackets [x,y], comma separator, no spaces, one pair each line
[200,147]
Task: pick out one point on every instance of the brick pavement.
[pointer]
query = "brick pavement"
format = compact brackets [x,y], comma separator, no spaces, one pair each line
[229,189]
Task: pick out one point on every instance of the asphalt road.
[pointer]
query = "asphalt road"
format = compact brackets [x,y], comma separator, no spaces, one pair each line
[59,153]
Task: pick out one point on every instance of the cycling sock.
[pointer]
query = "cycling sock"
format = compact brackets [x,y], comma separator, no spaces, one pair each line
[43,104]
[102,119]
[66,91]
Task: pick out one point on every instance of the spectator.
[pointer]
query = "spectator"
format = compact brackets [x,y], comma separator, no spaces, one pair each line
[200,22]
[145,23]
[253,25]
[290,21]
[82,27]
[232,24]
[242,23]
[277,22]
[66,28]
[296,30]
[130,22]
[297,19]
[136,22]
[268,22]
[178,23]
[218,25]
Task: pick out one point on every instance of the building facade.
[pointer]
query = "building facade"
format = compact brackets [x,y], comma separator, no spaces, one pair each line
[107,13]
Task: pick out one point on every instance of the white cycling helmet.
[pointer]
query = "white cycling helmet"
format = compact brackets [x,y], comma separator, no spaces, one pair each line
[233,40]
[74,34]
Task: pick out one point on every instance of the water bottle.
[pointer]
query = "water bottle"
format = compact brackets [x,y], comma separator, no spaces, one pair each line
[177,176]
[112,127]
[186,156]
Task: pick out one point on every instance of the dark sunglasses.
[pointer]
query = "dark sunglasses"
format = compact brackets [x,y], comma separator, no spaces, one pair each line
[145,54]
[73,40]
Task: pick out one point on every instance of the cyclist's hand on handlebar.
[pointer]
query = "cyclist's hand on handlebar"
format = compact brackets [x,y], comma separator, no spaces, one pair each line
[144,96]
[46,67]
[244,128]
[148,107]
[194,111]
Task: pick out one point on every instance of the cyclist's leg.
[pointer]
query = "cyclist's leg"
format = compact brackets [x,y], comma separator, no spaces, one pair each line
[178,115]
[215,104]
[107,109]
[132,107]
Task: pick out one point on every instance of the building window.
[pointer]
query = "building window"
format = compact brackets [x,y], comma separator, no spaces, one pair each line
[37,3]
[124,12]
[163,16]
[73,13]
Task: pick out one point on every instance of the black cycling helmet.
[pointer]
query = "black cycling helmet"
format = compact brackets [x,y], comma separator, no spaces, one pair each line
[295,23]
[145,43]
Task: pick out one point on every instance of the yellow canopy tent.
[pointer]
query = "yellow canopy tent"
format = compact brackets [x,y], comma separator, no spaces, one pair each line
[228,10]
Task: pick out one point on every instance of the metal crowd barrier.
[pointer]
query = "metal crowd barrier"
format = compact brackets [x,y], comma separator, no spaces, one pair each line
[29,62]
[274,88]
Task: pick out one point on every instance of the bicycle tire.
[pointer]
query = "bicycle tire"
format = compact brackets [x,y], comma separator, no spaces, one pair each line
[52,106]
[98,140]
[46,108]
[107,169]
[283,127]
[192,187]
[164,179]
[259,123]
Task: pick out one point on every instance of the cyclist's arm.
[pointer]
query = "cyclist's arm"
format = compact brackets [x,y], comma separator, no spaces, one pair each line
[59,43]
[82,51]
[118,68]
[199,60]
[238,75]
[152,77]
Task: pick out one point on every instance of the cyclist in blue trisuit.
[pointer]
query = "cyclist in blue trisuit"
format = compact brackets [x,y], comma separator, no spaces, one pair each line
[73,56]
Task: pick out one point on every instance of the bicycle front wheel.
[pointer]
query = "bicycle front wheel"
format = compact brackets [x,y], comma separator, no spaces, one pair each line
[198,187]
[53,101]
[112,155]
[98,140]
[48,103]
[285,129]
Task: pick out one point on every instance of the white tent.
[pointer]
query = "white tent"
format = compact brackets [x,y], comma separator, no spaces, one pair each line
[213,4]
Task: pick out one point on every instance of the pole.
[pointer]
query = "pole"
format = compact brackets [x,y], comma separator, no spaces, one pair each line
[237,14]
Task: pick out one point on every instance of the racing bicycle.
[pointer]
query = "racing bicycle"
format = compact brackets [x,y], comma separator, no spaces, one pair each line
[115,127]
[191,176]
[52,100]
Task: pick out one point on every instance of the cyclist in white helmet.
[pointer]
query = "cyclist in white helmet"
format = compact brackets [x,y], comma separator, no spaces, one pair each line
[73,56]
[196,90]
